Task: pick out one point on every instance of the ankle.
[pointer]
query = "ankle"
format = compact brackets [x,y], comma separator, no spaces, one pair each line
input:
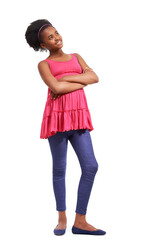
[62,216]
[80,219]
[62,220]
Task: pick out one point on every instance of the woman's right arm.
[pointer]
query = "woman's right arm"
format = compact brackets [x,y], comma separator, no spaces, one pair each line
[57,87]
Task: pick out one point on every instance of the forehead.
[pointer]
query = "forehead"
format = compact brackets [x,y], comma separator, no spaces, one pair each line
[48,31]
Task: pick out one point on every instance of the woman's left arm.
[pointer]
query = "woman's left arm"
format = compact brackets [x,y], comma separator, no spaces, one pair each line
[87,77]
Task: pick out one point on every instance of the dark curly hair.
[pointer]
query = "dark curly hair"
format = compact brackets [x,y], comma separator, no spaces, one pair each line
[31,34]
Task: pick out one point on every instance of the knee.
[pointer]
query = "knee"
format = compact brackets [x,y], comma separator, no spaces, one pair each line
[90,171]
[94,168]
[58,174]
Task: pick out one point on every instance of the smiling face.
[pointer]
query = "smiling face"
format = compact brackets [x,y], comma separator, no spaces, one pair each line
[51,39]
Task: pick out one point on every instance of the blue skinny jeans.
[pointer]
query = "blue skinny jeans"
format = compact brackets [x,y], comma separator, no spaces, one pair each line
[82,144]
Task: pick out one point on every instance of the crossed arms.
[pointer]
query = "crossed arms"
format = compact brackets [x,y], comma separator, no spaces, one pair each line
[67,83]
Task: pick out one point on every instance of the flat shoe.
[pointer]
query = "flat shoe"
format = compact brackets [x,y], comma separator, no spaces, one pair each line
[59,231]
[76,230]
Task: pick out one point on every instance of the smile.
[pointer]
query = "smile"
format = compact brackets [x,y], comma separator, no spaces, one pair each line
[59,42]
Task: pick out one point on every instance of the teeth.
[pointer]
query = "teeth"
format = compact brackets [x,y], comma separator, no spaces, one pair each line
[59,42]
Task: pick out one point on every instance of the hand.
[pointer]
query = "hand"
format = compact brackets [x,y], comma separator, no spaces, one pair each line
[60,79]
[87,69]
[53,95]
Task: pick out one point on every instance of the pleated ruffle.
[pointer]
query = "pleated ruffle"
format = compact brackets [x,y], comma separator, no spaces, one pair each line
[69,112]
[64,121]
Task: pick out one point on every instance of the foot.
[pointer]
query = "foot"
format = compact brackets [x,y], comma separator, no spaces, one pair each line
[62,220]
[76,230]
[80,222]
[85,226]
[61,225]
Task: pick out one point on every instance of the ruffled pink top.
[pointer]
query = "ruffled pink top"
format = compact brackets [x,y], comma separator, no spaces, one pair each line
[70,111]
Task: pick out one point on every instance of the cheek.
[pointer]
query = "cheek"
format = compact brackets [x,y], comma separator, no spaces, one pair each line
[50,43]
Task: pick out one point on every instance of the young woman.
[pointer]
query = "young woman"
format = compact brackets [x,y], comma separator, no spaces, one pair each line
[66,117]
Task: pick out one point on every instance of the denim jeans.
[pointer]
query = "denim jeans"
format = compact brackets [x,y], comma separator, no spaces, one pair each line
[82,144]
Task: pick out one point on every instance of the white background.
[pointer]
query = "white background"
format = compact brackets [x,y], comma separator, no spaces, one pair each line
[126,43]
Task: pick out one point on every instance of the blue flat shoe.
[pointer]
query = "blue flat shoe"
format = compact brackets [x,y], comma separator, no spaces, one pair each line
[76,230]
[59,232]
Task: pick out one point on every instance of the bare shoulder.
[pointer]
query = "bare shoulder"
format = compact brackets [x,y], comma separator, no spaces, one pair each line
[44,68]
[81,61]
[76,54]
[42,64]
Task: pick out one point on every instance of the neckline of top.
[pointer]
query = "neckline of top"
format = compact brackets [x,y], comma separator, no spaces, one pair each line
[62,61]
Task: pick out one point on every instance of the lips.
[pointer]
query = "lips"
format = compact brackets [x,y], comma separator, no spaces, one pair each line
[59,42]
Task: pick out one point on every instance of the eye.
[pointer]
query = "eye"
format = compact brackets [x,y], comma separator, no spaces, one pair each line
[56,32]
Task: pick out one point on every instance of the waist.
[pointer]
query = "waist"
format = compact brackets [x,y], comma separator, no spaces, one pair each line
[69,101]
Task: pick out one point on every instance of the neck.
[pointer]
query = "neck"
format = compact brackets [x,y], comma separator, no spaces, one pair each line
[57,53]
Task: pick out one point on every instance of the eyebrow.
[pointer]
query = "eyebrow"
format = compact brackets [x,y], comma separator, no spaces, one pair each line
[51,34]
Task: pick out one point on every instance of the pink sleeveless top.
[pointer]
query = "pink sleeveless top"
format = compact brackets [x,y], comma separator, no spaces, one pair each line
[70,111]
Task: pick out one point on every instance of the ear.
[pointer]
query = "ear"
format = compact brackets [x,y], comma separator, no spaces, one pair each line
[42,45]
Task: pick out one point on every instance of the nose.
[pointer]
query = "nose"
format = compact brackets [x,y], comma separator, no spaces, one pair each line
[56,38]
